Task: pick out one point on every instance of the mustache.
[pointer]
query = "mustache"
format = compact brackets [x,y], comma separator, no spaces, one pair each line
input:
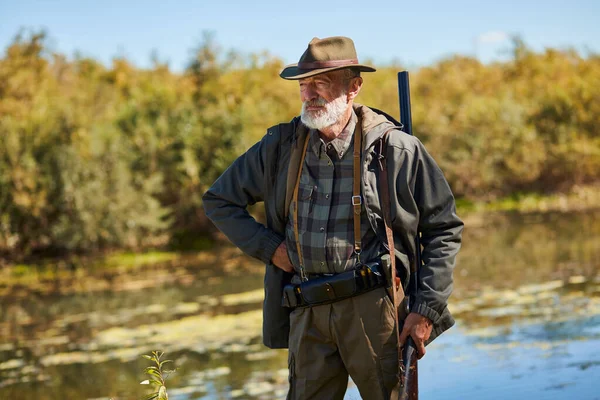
[320,102]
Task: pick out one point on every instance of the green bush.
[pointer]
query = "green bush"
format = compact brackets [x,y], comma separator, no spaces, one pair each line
[95,157]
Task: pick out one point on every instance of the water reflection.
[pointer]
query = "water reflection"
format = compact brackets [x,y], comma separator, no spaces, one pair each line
[527,303]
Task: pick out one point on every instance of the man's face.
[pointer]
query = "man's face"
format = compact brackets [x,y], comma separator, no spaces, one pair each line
[324,99]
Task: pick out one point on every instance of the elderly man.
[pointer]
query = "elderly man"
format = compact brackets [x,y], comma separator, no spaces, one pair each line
[318,175]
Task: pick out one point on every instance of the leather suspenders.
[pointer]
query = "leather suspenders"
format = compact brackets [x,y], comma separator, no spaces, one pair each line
[356,197]
[295,210]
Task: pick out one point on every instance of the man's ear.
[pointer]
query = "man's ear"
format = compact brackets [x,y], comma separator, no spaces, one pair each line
[354,88]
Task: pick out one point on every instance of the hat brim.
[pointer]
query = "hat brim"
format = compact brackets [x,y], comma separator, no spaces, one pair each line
[292,72]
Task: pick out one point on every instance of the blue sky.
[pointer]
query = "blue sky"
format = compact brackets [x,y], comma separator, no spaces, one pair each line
[412,32]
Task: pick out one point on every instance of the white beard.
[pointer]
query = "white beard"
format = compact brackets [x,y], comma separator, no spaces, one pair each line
[322,119]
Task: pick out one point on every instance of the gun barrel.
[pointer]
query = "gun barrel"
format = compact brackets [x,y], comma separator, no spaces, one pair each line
[410,374]
[404,96]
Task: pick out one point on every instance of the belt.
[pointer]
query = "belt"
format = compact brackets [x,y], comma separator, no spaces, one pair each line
[326,289]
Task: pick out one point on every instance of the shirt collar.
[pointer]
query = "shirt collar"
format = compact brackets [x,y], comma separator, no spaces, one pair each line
[340,144]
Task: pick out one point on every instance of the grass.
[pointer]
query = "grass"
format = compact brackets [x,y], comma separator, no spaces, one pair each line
[578,199]
[131,261]
[121,260]
[97,272]
[76,267]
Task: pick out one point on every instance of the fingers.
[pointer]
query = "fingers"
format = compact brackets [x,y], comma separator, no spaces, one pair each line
[418,342]
[403,335]
[285,264]
[420,345]
[418,328]
[281,260]
[287,267]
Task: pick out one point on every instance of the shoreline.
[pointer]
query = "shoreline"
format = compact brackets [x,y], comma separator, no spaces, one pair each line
[579,198]
[107,267]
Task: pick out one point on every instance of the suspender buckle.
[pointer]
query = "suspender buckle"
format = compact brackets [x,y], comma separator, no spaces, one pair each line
[303,275]
[357,200]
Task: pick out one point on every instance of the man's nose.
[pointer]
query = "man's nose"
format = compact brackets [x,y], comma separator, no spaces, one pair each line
[309,94]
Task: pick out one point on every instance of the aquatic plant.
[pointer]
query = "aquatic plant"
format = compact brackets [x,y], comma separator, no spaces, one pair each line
[157,376]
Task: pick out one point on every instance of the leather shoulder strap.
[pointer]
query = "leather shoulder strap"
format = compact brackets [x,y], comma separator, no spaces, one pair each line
[294,166]
[397,290]
[386,208]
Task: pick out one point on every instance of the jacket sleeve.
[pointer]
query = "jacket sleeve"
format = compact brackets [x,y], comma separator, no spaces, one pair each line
[441,232]
[225,204]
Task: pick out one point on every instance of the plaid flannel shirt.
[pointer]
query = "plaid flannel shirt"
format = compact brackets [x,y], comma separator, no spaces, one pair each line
[325,213]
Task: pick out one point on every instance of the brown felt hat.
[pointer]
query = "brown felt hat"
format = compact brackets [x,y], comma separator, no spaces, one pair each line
[324,55]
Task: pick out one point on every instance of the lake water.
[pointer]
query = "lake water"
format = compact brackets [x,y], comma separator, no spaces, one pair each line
[526,301]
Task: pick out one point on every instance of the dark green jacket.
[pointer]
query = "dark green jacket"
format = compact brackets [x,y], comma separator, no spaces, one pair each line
[421,201]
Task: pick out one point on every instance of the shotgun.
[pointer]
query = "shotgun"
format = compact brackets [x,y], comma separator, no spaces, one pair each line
[409,379]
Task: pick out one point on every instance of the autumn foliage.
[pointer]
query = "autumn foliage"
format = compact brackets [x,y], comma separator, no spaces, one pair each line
[95,157]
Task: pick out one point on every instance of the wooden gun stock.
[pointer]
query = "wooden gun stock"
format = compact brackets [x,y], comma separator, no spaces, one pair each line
[409,381]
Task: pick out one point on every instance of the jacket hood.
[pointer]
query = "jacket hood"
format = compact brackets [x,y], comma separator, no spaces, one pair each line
[374,122]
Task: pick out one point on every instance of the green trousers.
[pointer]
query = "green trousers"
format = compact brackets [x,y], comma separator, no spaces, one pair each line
[355,337]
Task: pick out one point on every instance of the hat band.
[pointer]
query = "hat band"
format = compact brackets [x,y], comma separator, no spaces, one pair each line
[326,64]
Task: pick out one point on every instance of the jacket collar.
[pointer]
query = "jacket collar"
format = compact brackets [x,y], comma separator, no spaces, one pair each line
[374,125]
